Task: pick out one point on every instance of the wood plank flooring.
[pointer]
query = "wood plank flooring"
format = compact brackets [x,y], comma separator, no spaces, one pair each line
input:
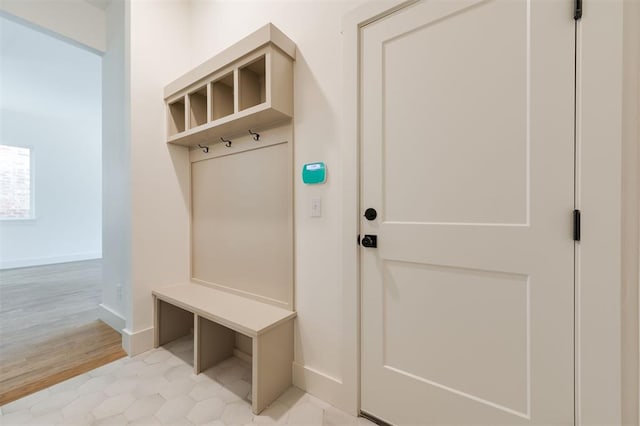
[49,327]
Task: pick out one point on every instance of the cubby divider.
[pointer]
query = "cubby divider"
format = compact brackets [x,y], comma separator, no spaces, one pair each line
[198,107]
[176,116]
[222,99]
[246,86]
[252,90]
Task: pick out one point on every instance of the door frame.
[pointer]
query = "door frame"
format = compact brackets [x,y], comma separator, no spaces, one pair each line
[598,194]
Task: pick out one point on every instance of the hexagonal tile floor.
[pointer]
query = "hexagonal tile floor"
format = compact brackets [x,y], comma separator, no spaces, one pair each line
[158,387]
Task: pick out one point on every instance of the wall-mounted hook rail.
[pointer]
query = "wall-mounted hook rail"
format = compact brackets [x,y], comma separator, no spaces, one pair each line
[256,136]
[227,143]
[204,149]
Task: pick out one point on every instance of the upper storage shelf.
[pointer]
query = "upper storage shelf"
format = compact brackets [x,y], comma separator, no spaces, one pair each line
[246,86]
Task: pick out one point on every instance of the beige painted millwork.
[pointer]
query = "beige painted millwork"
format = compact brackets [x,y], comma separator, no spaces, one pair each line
[172,322]
[241,295]
[214,343]
[242,219]
[248,86]
[216,316]
[468,156]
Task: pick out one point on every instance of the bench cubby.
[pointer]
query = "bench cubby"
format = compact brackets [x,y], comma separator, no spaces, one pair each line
[215,316]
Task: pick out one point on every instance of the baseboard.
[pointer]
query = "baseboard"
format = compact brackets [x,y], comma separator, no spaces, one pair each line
[242,355]
[49,260]
[112,318]
[135,343]
[320,385]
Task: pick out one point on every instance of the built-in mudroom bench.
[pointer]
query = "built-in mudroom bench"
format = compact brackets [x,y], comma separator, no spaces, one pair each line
[215,316]
[234,115]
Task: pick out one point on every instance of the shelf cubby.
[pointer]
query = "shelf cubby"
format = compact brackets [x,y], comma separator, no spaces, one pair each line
[176,116]
[222,97]
[246,86]
[252,87]
[198,107]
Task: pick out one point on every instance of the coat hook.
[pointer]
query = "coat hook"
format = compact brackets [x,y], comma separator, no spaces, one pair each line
[204,149]
[256,136]
[227,143]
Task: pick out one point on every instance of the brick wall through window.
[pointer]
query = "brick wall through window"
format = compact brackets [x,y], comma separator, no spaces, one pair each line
[15,182]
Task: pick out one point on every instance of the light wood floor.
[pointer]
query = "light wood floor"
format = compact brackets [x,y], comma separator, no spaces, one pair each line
[49,327]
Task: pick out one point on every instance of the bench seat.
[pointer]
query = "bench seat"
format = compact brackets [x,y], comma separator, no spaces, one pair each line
[215,316]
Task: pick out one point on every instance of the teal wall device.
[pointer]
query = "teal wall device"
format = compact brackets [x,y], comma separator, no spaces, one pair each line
[313,173]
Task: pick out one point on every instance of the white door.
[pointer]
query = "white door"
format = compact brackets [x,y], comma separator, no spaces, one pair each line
[467,155]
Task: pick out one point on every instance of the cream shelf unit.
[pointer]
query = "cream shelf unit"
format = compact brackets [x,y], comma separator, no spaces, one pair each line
[247,86]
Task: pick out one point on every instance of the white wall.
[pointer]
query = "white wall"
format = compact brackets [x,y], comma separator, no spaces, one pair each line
[160,246]
[116,166]
[318,76]
[51,95]
[74,20]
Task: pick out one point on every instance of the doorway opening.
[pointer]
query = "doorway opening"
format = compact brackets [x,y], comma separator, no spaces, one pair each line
[50,212]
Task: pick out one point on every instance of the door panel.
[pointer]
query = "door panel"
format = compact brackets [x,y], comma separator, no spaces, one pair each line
[467,155]
[465,358]
[465,107]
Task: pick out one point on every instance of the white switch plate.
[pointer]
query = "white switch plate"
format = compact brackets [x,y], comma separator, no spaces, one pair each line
[316,207]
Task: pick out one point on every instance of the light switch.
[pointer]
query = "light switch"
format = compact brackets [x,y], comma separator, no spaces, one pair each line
[316,207]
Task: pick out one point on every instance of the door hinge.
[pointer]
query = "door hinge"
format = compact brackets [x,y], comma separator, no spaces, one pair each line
[577,12]
[576,225]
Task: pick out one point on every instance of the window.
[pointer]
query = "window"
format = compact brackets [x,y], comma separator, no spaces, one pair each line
[16,183]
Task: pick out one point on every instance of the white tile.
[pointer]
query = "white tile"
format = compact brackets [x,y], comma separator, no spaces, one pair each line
[86,420]
[117,420]
[183,344]
[53,403]
[21,417]
[25,402]
[175,409]
[83,405]
[106,369]
[240,388]
[214,423]
[157,356]
[205,389]
[291,396]
[155,370]
[207,410]
[229,362]
[49,419]
[315,401]
[305,414]
[70,384]
[231,374]
[144,407]
[335,417]
[247,376]
[149,386]
[212,372]
[237,413]
[181,387]
[174,360]
[113,406]
[147,421]
[120,386]
[178,372]
[130,369]
[96,384]
[276,413]
[227,395]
